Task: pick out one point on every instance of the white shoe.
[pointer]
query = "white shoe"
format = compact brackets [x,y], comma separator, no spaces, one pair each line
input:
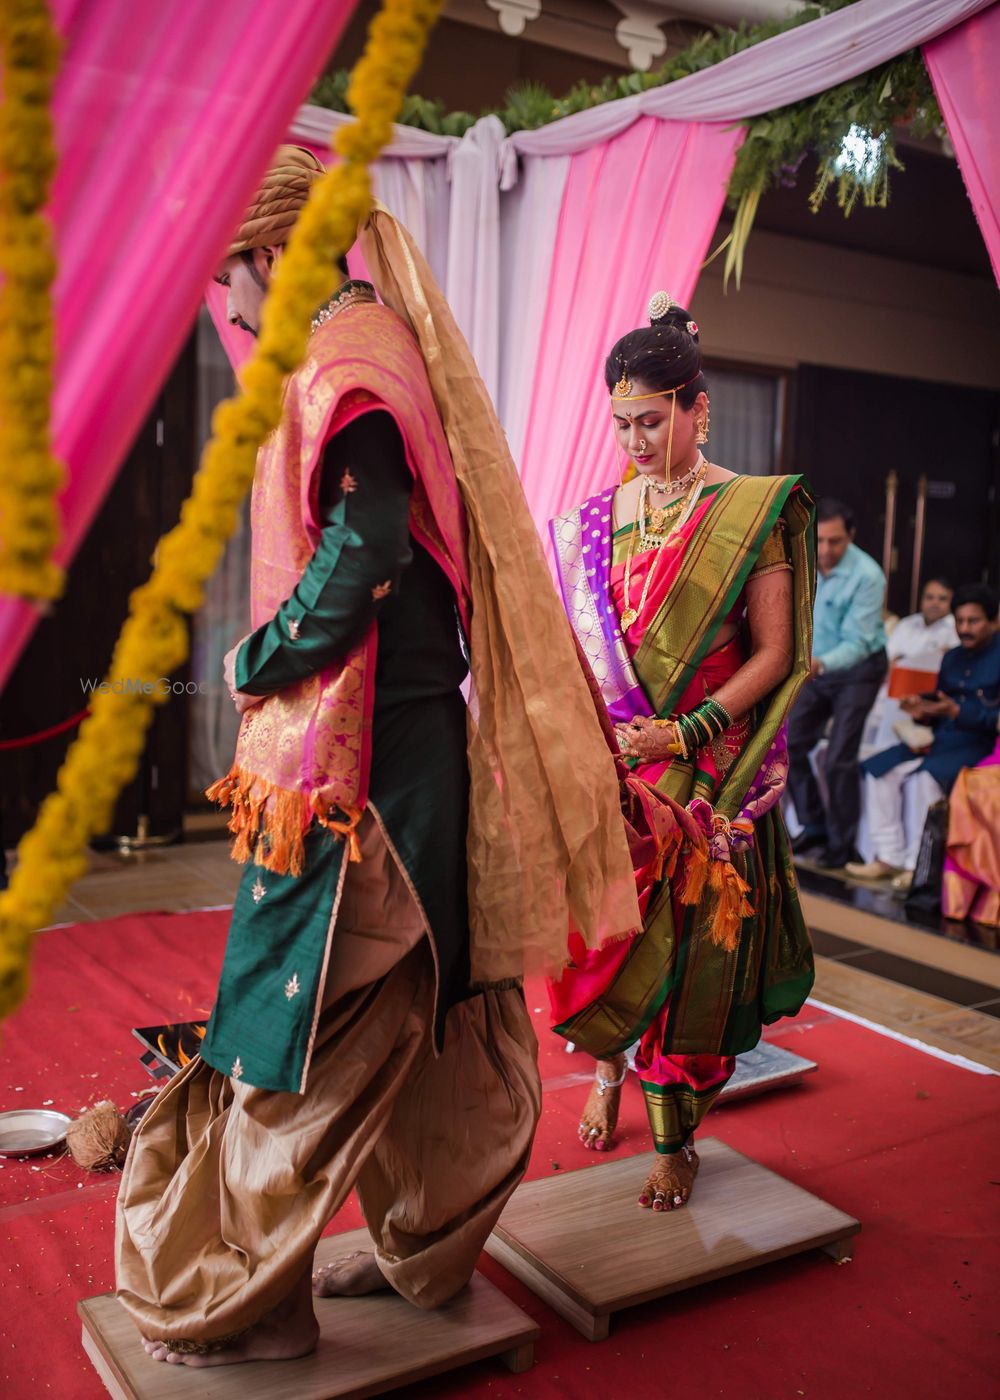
[872,869]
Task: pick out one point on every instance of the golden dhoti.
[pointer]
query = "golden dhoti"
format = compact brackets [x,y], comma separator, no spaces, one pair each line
[227,1188]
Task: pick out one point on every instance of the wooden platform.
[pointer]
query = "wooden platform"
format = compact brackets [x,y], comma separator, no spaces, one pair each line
[367,1346]
[583,1245]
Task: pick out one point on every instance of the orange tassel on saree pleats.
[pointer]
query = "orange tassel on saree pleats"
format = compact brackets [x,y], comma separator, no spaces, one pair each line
[668,849]
[695,866]
[731,905]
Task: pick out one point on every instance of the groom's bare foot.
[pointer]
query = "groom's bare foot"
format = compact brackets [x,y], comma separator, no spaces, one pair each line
[668,1185]
[287,1331]
[350,1277]
[600,1114]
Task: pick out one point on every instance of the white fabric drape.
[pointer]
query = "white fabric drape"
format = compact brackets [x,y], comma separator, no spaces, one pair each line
[785,69]
[530,214]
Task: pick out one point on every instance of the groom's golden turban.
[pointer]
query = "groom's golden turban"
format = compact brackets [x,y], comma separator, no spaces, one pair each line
[275,206]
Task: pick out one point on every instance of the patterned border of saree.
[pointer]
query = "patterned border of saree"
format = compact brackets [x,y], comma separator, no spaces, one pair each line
[717,563]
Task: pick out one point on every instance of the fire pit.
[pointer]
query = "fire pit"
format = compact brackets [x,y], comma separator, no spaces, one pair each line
[169,1048]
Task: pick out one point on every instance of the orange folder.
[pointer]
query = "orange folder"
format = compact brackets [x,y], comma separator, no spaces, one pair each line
[904,680]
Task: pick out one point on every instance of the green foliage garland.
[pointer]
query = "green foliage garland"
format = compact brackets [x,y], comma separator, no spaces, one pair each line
[777,142]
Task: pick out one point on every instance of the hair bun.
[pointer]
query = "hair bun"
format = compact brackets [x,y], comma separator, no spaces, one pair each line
[664,311]
[659,307]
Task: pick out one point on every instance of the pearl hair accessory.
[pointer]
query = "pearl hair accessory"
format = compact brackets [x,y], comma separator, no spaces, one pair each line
[692,327]
[659,304]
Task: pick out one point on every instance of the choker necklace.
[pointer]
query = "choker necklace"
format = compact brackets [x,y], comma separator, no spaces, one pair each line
[353,292]
[676,484]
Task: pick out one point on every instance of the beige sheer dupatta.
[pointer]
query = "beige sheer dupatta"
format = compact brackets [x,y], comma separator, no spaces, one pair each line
[547,843]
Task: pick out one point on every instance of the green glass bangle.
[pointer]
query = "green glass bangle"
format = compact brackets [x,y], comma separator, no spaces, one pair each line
[696,732]
[710,719]
[719,709]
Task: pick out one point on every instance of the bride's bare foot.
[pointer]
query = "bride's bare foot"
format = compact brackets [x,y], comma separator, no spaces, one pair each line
[287,1331]
[668,1185]
[600,1114]
[349,1277]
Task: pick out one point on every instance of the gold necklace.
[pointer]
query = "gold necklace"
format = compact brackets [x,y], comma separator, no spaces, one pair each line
[630,614]
[353,292]
[654,520]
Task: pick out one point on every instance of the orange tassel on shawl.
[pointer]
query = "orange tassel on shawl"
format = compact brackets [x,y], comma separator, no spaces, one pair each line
[270,823]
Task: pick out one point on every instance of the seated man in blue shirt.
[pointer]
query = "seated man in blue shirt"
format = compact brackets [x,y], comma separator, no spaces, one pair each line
[849,663]
[963,713]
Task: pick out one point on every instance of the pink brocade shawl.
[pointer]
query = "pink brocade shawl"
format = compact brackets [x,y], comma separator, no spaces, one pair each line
[305,752]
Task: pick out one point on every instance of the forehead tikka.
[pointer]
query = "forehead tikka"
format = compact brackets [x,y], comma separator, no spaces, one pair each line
[623,389]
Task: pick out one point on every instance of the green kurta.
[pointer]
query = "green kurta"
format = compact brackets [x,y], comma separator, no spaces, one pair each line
[275,956]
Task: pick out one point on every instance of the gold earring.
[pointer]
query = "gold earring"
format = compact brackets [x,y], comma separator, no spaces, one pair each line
[701,431]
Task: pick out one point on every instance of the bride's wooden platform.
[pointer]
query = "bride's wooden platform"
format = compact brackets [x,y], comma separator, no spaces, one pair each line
[582,1244]
[367,1346]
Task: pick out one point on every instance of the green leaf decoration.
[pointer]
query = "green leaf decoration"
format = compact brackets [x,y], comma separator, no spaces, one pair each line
[864,113]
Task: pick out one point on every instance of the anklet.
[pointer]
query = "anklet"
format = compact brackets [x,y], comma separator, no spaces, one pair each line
[603,1085]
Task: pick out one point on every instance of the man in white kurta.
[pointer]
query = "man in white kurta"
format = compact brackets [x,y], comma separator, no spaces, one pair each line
[915,646]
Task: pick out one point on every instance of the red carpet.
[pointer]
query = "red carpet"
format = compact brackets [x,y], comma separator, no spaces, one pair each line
[903,1141]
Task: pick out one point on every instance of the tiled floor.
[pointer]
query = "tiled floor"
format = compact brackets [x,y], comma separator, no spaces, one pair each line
[959,1030]
[927,979]
[875,897]
[960,990]
[912,980]
[197,873]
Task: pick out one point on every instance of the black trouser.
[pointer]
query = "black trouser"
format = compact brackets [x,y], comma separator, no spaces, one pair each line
[847,696]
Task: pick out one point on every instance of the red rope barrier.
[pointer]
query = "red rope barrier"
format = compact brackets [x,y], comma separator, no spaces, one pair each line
[28,739]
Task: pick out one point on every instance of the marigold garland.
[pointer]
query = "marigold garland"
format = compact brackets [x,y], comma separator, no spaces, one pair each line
[154,639]
[30,477]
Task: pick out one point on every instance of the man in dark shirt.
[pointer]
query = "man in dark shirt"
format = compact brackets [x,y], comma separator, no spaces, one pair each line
[963,713]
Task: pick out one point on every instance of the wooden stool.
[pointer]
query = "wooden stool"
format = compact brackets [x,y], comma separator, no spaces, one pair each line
[583,1245]
[366,1347]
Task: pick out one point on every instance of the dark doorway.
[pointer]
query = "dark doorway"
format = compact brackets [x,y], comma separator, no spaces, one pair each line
[72,647]
[853,430]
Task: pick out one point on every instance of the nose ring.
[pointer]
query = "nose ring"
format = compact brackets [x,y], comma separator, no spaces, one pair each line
[642,444]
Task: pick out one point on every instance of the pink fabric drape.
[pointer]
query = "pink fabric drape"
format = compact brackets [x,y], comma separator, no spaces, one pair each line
[964,65]
[636,218]
[166,116]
